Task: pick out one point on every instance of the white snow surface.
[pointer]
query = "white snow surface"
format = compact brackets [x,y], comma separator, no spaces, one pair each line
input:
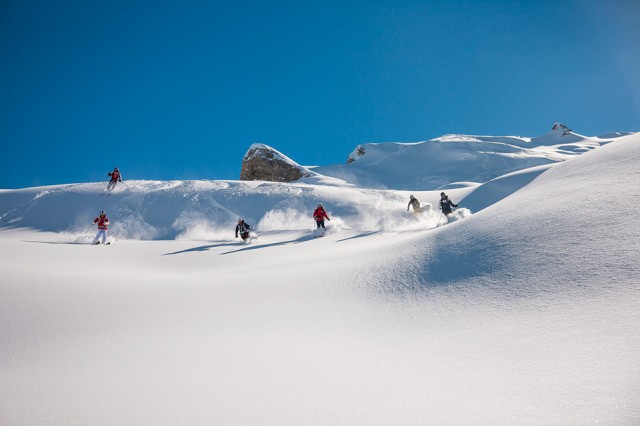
[450,160]
[523,310]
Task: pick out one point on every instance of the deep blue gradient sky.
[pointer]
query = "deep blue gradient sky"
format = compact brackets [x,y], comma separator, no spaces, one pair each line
[180,90]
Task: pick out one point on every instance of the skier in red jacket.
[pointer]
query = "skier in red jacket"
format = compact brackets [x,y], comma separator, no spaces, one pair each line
[319,215]
[103,225]
[115,178]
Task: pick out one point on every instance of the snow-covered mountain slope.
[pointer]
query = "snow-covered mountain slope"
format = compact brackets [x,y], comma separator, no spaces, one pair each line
[201,210]
[575,223]
[524,312]
[450,160]
[558,261]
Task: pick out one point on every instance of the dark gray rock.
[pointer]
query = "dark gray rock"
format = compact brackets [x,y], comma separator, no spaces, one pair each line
[261,162]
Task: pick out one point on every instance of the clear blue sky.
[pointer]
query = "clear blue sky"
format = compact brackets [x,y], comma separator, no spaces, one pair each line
[181,89]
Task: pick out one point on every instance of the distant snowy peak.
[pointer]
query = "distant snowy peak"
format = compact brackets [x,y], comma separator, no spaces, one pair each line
[261,162]
[561,128]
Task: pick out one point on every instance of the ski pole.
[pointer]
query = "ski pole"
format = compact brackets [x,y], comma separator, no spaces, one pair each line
[440,219]
[90,226]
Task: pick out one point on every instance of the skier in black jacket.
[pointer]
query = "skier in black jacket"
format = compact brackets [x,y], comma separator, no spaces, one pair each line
[243,228]
[446,204]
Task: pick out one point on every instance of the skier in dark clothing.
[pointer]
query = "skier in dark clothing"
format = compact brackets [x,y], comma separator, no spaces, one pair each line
[242,228]
[319,215]
[446,204]
[115,178]
[413,201]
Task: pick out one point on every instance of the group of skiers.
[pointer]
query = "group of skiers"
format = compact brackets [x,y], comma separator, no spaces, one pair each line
[319,215]
[445,204]
[102,220]
[243,229]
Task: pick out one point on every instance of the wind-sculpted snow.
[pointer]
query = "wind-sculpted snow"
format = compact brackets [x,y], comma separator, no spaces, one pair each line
[496,189]
[449,159]
[524,312]
[579,212]
[206,210]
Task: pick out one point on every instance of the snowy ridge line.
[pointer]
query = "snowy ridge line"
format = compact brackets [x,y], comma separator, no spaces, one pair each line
[203,209]
[439,162]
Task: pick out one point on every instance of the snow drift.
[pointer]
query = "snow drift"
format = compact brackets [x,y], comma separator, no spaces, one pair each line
[524,312]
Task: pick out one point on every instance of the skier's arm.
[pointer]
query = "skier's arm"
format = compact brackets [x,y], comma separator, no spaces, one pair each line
[236,231]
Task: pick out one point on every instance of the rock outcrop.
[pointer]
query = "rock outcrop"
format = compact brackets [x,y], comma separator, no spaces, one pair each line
[561,128]
[261,162]
[358,152]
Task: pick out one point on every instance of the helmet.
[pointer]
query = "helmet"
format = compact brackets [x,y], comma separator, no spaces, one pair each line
[411,197]
[319,204]
[442,194]
[102,213]
[240,220]
[115,168]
